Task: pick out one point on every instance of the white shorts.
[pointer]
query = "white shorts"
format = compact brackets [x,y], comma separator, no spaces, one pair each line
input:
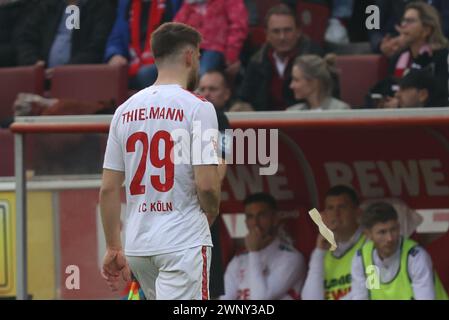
[181,275]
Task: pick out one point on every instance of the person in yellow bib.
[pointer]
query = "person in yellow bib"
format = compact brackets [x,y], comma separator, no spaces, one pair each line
[390,266]
[329,275]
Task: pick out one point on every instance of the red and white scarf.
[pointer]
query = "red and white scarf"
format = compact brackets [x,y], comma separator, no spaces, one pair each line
[405,61]
[138,56]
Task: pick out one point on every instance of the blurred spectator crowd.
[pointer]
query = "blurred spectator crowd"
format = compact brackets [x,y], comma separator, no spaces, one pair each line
[75,57]
[272,54]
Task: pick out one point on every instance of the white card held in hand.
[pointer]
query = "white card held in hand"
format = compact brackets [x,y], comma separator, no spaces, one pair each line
[324,230]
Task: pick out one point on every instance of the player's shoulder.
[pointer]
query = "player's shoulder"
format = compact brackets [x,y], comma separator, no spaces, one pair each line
[241,252]
[288,251]
[286,247]
[194,99]
[417,251]
[194,96]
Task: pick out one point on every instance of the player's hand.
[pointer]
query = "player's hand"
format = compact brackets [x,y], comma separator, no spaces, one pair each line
[114,266]
[390,103]
[233,68]
[322,243]
[118,60]
[253,241]
[49,73]
[40,63]
[390,46]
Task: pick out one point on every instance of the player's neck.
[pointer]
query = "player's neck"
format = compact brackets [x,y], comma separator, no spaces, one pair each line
[171,77]
[266,242]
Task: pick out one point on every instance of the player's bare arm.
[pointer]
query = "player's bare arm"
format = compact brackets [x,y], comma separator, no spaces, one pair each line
[114,262]
[208,187]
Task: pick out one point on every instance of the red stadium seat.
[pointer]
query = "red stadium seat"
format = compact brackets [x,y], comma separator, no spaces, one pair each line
[17,80]
[257,36]
[438,250]
[358,73]
[314,18]
[6,153]
[90,83]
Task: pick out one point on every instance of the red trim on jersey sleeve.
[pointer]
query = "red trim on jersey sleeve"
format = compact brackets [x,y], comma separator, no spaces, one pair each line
[204,290]
[196,95]
[292,293]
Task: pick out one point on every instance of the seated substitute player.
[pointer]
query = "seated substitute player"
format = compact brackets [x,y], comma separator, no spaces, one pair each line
[329,275]
[270,269]
[170,204]
[391,267]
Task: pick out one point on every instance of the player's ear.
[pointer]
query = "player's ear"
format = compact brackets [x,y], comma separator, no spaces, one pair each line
[188,57]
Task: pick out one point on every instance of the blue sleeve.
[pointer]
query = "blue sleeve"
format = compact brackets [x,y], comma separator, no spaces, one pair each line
[118,41]
[176,5]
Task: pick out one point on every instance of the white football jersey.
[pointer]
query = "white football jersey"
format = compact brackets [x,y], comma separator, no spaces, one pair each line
[163,210]
[276,272]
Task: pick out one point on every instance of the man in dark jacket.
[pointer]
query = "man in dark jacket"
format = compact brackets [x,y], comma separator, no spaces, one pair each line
[268,75]
[47,40]
[11,20]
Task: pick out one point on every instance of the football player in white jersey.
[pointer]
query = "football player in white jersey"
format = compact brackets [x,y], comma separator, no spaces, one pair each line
[170,203]
[270,269]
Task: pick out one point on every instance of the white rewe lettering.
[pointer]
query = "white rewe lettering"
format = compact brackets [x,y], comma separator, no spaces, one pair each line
[394,178]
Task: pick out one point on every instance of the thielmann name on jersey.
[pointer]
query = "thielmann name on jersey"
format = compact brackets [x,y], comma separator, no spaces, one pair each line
[156,113]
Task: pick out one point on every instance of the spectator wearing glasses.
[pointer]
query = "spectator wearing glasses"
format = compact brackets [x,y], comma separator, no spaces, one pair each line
[426,47]
[386,40]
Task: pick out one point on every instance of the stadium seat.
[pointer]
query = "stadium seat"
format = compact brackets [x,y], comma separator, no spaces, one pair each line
[90,83]
[16,80]
[314,17]
[438,250]
[7,153]
[256,36]
[358,73]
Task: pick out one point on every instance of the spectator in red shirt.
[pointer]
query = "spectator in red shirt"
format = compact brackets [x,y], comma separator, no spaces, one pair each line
[224,27]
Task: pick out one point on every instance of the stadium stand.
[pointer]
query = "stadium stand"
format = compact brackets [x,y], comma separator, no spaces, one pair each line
[77,81]
[355,84]
[313,17]
[16,80]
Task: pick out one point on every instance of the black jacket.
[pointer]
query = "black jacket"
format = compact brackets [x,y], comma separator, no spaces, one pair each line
[255,87]
[11,19]
[88,42]
[436,65]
